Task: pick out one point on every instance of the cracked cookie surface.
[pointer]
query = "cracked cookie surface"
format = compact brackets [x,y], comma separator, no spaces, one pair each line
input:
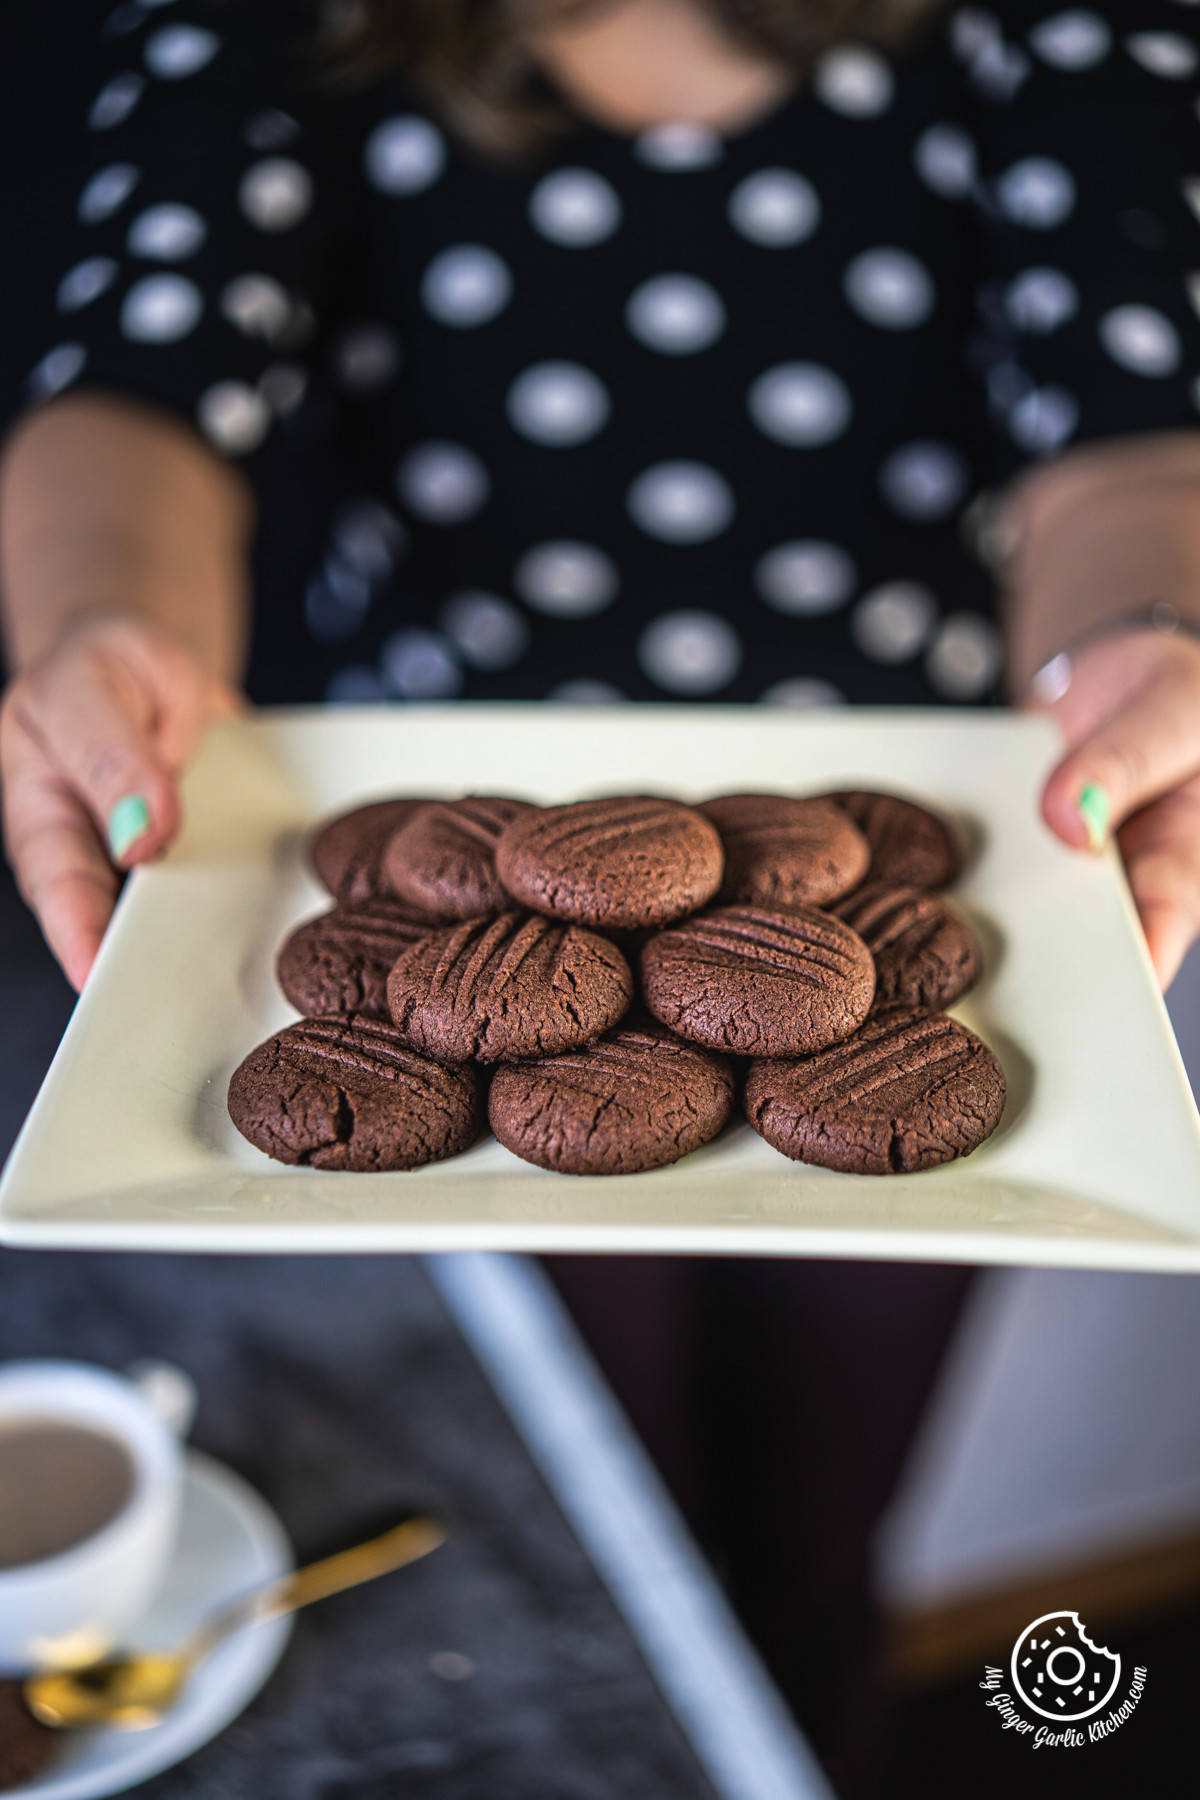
[340,962]
[906,1092]
[925,955]
[637,1098]
[908,842]
[519,985]
[347,854]
[443,860]
[618,864]
[781,851]
[758,982]
[346,1092]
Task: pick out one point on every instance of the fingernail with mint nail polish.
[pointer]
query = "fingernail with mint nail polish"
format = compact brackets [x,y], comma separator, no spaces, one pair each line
[127,822]
[1094,811]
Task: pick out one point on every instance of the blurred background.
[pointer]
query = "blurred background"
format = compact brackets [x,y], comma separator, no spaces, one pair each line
[1059,1460]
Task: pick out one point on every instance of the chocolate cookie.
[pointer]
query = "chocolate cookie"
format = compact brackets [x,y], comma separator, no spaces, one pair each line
[759,983]
[443,858]
[26,1745]
[925,955]
[780,851]
[908,843]
[340,962]
[347,853]
[637,1098]
[621,863]
[907,1091]
[514,986]
[346,1092]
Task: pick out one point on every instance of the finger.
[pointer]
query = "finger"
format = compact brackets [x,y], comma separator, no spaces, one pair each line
[1146,747]
[60,864]
[1161,848]
[95,725]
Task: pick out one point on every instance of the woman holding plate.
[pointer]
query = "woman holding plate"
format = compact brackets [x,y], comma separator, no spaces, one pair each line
[651,350]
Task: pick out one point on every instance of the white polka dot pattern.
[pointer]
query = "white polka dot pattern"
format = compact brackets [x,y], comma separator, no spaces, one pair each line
[355,685]
[443,483]
[369,538]
[161,309]
[681,503]
[85,283]
[174,52]
[630,300]
[271,130]
[166,233]
[889,288]
[488,632]
[420,665]
[1077,39]
[233,417]
[1043,420]
[115,101]
[946,160]
[466,286]
[806,578]
[1037,192]
[56,371]
[276,193]
[1039,300]
[558,404]
[575,208]
[800,404]
[803,691]
[924,480]
[892,622]
[678,149]
[586,693]
[1164,53]
[998,71]
[404,155]
[964,659]
[1142,340]
[677,315]
[854,81]
[106,192]
[257,305]
[566,580]
[690,652]
[776,208]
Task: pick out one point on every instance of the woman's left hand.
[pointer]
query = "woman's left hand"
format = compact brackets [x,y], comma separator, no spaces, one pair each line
[1130,714]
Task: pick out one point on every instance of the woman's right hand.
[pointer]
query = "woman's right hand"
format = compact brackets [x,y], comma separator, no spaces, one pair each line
[93,736]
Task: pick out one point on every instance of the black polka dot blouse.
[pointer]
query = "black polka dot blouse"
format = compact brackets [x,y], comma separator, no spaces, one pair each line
[669,417]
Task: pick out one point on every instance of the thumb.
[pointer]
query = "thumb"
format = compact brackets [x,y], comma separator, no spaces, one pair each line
[1148,745]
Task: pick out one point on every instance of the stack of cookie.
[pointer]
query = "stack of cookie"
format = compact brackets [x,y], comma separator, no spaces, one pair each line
[487,938]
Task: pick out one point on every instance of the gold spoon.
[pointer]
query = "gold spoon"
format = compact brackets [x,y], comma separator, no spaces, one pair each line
[134,1691]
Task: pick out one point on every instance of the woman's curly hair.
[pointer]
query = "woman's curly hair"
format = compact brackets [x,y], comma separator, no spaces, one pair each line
[471,57]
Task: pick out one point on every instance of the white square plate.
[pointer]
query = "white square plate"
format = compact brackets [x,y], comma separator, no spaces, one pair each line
[1095,1163]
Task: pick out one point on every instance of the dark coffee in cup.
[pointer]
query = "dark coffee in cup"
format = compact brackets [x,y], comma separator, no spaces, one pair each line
[60,1483]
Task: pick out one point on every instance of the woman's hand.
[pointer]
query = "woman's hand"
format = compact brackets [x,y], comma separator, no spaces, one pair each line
[1130,713]
[93,736]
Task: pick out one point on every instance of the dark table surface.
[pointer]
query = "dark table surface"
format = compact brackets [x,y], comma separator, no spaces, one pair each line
[341,1390]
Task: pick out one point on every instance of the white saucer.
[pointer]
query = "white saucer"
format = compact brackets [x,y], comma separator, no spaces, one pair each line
[229,1541]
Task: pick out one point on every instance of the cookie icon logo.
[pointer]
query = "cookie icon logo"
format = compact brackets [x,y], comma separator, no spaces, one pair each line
[1058,1671]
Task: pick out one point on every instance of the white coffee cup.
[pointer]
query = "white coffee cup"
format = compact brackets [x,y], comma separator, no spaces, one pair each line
[69,1608]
